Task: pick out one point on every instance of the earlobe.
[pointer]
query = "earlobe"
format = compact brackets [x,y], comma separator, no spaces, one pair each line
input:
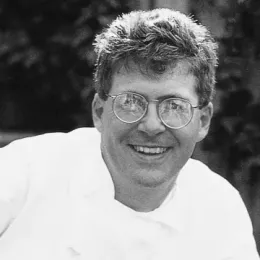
[205,119]
[97,112]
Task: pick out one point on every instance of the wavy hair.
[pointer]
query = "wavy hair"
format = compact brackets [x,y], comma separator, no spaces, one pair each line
[156,40]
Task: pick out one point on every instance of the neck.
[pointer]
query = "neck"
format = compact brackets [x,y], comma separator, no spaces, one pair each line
[142,199]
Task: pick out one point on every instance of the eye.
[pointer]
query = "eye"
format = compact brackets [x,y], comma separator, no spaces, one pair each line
[131,102]
[171,105]
[174,105]
[128,101]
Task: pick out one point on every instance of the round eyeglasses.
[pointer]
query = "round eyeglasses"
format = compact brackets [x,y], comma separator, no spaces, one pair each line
[131,107]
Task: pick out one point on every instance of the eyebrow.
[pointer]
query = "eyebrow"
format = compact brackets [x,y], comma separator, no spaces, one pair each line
[160,97]
[170,96]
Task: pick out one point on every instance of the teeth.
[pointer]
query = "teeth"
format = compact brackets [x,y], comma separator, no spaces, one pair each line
[150,150]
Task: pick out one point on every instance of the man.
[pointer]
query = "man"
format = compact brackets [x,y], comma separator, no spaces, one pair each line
[130,189]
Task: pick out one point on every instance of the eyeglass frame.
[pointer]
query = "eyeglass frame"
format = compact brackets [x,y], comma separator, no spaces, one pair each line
[158,102]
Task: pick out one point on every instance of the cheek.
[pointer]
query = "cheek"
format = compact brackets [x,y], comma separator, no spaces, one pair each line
[109,120]
[188,135]
[114,130]
[108,114]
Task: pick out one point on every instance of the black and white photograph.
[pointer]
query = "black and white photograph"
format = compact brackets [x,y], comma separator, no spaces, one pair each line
[129,130]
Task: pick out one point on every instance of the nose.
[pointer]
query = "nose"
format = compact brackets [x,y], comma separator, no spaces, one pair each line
[151,124]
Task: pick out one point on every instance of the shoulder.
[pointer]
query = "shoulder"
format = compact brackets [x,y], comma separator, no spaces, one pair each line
[54,143]
[213,212]
[63,149]
[51,140]
[54,157]
[195,174]
[205,187]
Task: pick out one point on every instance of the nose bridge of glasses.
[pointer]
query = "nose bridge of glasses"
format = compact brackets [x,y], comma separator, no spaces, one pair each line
[152,102]
[152,110]
[151,122]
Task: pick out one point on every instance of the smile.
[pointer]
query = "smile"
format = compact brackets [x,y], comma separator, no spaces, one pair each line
[149,150]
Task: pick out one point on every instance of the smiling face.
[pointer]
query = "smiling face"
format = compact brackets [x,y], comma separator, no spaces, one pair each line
[147,153]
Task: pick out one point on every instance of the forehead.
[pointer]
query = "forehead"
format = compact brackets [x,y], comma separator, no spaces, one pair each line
[177,81]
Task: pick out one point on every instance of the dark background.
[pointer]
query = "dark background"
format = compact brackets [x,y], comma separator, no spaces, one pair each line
[46,67]
[47,62]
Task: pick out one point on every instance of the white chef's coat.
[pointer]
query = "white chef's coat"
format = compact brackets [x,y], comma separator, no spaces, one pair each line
[57,203]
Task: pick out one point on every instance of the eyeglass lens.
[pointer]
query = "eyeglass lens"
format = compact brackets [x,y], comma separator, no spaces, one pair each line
[175,112]
[130,107]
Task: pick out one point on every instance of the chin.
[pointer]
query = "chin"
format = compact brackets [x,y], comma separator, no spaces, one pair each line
[152,179]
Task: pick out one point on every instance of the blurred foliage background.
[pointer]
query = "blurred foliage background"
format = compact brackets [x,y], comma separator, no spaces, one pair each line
[46,61]
[232,147]
[46,66]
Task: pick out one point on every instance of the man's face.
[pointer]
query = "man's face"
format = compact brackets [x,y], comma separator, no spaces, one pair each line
[120,140]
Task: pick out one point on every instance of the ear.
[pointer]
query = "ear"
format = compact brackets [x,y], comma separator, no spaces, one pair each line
[206,114]
[97,112]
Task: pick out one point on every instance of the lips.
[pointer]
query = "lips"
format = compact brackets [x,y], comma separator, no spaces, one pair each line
[153,151]
[149,150]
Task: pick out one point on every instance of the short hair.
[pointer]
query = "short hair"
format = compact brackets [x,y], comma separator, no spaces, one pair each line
[155,40]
